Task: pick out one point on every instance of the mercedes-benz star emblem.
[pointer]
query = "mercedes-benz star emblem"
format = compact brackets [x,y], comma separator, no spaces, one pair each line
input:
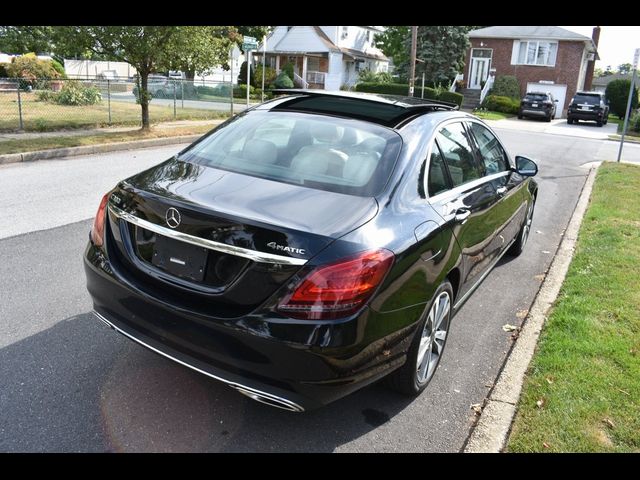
[172,217]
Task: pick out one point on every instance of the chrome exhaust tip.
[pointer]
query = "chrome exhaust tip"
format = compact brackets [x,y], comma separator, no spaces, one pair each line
[269,399]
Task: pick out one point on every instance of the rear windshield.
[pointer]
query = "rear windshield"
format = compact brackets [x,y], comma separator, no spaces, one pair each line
[326,153]
[536,97]
[584,98]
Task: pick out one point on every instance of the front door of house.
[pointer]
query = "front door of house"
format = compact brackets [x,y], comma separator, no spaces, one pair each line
[480,65]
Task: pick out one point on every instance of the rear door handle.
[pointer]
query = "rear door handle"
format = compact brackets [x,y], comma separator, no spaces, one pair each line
[501,191]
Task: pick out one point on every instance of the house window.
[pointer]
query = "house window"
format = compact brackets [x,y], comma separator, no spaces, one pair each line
[537,53]
[368,35]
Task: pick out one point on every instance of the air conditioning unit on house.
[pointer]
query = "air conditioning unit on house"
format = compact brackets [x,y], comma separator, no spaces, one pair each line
[591,56]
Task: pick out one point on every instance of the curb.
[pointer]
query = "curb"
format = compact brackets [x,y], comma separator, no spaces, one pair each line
[491,431]
[92,149]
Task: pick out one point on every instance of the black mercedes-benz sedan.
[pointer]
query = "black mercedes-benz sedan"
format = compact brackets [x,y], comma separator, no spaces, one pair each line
[311,245]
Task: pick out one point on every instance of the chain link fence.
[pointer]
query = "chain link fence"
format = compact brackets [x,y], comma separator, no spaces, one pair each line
[49,105]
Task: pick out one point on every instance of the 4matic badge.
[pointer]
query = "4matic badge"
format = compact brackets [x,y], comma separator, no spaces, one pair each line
[275,246]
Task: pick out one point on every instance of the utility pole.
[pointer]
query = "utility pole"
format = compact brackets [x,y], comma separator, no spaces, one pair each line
[414,46]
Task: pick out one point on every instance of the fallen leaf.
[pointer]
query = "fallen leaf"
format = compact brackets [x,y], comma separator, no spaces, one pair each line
[539,277]
[515,335]
[549,380]
[609,422]
[477,408]
[522,313]
[545,444]
[509,328]
[538,231]
[488,385]
[540,403]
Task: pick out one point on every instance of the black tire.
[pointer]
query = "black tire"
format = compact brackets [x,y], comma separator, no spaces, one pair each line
[548,119]
[407,379]
[569,120]
[599,123]
[523,235]
[520,117]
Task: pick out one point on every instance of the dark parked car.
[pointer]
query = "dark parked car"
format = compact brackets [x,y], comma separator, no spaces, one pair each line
[538,105]
[590,106]
[311,245]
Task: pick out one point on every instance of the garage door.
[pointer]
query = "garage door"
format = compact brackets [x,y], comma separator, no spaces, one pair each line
[558,91]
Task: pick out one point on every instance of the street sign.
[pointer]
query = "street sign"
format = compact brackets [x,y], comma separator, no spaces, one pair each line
[249,43]
[636,57]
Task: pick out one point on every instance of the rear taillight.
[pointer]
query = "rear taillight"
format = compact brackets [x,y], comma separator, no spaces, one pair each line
[338,289]
[97,231]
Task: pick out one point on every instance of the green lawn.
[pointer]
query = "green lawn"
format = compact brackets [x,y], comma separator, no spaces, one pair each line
[45,116]
[34,144]
[582,392]
[489,115]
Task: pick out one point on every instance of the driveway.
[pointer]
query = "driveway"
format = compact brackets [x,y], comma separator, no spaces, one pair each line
[557,126]
[68,383]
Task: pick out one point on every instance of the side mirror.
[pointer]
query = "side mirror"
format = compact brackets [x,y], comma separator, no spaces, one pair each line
[526,167]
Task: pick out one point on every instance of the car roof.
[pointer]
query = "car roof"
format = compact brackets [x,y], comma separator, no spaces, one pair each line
[590,93]
[538,93]
[387,110]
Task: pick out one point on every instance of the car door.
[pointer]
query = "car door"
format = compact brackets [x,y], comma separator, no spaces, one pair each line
[467,206]
[509,210]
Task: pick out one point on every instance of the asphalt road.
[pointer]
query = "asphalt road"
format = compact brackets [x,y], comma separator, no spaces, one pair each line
[69,384]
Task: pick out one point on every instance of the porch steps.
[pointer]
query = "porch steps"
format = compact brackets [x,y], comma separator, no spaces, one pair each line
[471,98]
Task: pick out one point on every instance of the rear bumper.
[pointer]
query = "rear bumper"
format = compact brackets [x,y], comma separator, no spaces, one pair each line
[534,113]
[277,361]
[593,116]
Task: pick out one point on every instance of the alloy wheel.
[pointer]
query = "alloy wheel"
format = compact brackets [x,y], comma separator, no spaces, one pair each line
[434,335]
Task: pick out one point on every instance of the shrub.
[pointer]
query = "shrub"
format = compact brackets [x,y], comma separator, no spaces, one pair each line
[502,104]
[242,76]
[617,93]
[47,96]
[240,91]
[634,122]
[76,93]
[288,69]
[388,88]
[283,81]
[3,71]
[451,97]
[57,66]
[32,71]
[368,76]
[269,76]
[506,86]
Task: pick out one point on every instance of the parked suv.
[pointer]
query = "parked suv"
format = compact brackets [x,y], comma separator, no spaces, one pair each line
[592,106]
[538,104]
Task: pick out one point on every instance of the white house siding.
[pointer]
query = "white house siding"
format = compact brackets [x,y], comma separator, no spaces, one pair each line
[331,32]
[301,39]
[333,80]
[91,69]
[275,37]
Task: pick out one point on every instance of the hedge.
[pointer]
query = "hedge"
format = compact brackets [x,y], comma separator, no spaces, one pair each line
[497,103]
[403,89]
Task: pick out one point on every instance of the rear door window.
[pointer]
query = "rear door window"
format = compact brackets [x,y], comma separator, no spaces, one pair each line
[457,154]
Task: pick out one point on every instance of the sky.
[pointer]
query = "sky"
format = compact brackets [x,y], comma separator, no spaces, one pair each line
[616,45]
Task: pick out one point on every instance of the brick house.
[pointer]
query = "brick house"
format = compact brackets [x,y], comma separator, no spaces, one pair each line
[541,58]
[324,57]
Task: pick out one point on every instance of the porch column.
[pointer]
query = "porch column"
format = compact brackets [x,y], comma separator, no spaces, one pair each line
[304,69]
[277,63]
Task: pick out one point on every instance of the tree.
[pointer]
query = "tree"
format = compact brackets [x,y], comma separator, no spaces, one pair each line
[256,31]
[618,94]
[195,50]
[625,69]
[393,43]
[146,48]
[442,48]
